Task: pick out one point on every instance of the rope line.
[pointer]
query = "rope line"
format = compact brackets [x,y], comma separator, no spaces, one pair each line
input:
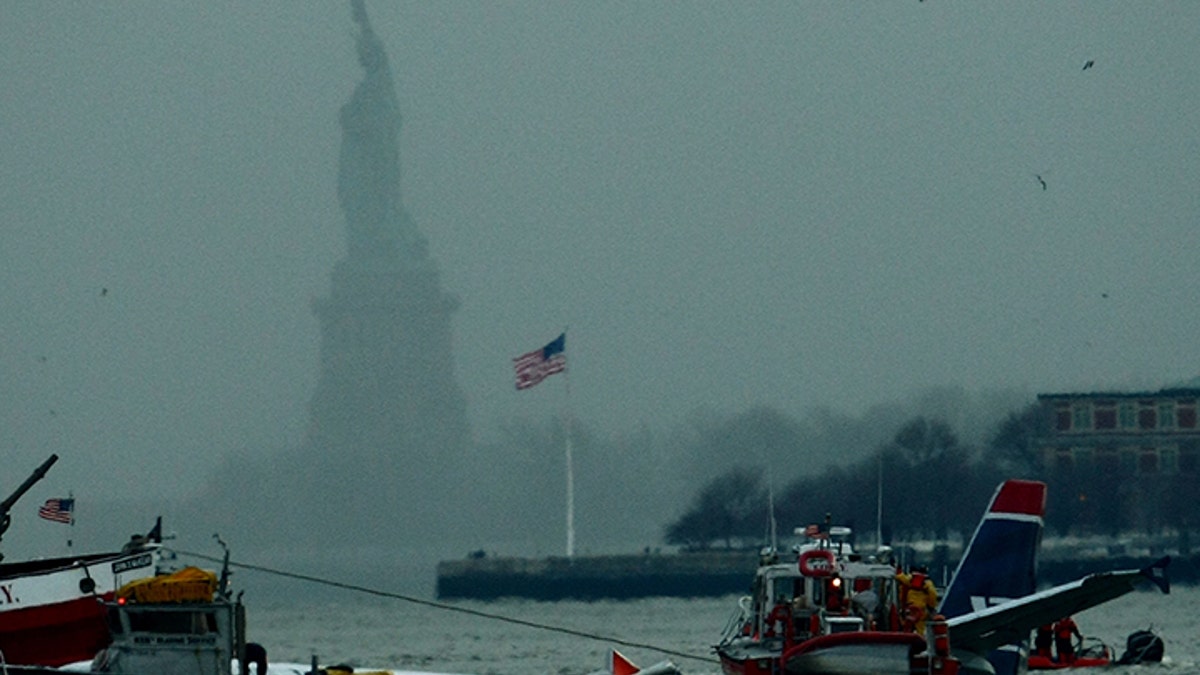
[449,608]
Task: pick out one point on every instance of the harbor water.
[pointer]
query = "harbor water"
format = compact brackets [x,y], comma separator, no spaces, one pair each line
[467,637]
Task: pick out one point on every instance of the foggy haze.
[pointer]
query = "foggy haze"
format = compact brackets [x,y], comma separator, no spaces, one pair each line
[821,209]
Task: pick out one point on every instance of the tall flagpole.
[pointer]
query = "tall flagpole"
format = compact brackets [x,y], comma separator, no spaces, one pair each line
[533,367]
[570,469]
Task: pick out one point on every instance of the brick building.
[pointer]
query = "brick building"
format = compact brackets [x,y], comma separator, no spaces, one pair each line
[1128,453]
[1136,433]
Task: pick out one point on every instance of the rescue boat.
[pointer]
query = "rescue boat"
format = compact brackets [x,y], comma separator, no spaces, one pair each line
[184,622]
[50,611]
[829,611]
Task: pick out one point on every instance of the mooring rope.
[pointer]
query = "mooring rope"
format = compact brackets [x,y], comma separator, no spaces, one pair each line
[449,608]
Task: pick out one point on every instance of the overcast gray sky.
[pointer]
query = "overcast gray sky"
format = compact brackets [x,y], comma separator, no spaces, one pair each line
[782,203]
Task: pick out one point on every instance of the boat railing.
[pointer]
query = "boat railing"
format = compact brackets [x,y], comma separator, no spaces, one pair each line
[740,618]
[1093,647]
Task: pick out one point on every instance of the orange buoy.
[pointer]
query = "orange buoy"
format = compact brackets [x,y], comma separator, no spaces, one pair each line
[941,636]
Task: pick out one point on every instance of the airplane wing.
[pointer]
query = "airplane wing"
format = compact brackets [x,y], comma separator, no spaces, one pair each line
[1011,621]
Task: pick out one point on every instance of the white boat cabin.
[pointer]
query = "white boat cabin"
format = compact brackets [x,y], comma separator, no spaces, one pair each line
[828,588]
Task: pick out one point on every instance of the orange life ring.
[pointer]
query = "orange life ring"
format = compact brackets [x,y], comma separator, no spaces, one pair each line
[817,563]
[780,614]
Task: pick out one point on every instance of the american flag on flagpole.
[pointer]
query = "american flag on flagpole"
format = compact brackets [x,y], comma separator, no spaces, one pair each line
[58,510]
[537,365]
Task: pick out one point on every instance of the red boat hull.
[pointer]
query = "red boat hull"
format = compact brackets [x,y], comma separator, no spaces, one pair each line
[749,667]
[50,610]
[1044,663]
[54,635]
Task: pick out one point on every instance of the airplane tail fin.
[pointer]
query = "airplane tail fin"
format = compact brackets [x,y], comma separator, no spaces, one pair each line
[619,664]
[1000,563]
[1157,572]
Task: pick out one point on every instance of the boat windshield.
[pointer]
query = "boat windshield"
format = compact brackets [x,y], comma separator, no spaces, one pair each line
[171,621]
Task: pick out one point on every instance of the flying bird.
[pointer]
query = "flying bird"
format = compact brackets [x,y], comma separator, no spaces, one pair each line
[1089,64]
[1039,179]
[103,292]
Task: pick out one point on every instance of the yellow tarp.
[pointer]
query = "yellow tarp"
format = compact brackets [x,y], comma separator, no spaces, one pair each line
[190,584]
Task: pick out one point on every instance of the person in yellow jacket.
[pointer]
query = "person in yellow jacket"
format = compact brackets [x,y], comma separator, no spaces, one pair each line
[919,598]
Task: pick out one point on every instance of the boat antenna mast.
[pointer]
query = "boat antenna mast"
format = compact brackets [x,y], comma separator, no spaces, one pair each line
[223,584]
[7,504]
[879,506]
[771,514]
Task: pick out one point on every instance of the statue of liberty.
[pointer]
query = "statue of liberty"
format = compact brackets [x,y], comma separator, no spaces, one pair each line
[378,227]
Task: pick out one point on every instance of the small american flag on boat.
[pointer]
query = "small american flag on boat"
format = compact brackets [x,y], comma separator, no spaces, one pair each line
[58,510]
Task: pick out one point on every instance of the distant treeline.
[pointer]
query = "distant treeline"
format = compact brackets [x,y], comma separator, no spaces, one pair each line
[700,483]
[932,485]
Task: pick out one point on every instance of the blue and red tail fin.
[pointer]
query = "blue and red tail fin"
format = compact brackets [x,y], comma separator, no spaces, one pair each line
[1000,563]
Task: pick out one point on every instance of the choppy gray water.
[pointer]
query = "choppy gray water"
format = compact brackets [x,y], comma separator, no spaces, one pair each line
[363,630]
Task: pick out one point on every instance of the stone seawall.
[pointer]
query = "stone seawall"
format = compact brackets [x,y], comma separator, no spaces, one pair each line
[705,574]
[594,577]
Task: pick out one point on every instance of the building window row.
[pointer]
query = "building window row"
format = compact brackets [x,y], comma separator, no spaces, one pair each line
[1127,416]
[1127,461]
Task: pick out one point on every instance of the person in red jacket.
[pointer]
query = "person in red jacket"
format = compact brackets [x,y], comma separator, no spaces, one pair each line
[1065,632]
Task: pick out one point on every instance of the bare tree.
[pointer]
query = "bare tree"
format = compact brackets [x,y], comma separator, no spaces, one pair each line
[731,507]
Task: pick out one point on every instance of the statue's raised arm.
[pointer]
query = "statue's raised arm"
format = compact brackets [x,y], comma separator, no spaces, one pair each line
[379,229]
[370,50]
